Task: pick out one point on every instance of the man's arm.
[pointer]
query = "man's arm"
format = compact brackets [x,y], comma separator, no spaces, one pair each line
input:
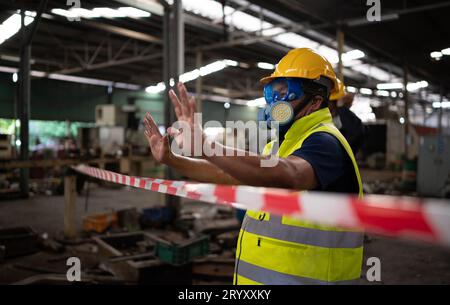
[291,172]
[196,169]
[200,170]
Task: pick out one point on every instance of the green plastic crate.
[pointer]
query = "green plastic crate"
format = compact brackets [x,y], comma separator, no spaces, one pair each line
[182,253]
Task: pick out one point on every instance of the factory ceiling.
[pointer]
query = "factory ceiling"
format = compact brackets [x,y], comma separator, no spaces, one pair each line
[128,49]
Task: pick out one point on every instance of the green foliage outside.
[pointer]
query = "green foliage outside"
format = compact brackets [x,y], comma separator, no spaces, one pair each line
[47,131]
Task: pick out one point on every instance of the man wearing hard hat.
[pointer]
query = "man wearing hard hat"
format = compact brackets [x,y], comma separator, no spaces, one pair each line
[313,155]
[345,120]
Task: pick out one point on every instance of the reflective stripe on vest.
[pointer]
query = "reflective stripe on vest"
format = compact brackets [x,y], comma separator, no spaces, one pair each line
[270,277]
[281,250]
[303,235]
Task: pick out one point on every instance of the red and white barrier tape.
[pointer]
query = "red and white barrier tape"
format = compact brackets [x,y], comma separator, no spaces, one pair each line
[402,217]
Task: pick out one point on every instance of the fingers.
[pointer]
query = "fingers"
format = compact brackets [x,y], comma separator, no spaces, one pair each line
[180,104]
[176,104]
[150,126]
[192,105]
[184,99]
[185,106]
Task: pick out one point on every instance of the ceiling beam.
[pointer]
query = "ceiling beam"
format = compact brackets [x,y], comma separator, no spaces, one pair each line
[114,30]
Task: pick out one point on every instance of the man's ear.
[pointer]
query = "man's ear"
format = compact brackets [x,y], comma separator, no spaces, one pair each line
[316,102]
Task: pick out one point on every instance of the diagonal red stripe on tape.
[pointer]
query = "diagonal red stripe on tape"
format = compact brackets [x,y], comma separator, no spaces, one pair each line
[193,195]
[225,194]
[278,201]
[155,187]
[171,190]
[142,183]
[393,219]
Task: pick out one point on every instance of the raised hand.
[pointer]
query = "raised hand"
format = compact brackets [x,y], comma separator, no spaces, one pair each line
[185,109]
[159,145]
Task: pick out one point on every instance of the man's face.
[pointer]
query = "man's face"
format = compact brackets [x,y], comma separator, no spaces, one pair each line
[312,105]
[280,90]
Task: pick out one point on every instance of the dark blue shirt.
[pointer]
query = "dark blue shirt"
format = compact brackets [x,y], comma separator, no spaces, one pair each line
[332,165]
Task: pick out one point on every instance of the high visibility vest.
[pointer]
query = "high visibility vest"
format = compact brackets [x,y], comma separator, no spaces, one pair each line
[276,249]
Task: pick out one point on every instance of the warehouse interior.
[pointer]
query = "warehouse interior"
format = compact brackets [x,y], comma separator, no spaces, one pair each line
[76,81]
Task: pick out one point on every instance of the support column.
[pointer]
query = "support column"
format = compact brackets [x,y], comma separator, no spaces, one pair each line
[406,108]
[24,105]
[340,49]
[70,209]
[173,67]
[441,109]
[24,90]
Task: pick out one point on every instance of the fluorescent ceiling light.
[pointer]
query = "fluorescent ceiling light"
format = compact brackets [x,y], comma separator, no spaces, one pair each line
[436,104]
[266,66]
[352,55]
[194,74]
[366,91]
[259,102]
[409,87]
[156,88]
[373,71]
[74,79]
[390,86]
[446,51]
[98,12]
[436,55]
[417,85]
[134,12]
[108,12]
[82,12]
[351,89]
[445,104]
[231,63]
[64,13]
[212,68]
[12,25]
[8,69]
[382,93]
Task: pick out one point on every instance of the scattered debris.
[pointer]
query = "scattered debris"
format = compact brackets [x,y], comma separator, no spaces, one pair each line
[18,241]
[100,223]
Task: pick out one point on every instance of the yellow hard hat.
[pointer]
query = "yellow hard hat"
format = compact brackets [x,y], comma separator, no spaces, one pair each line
[304,63]
[341,92]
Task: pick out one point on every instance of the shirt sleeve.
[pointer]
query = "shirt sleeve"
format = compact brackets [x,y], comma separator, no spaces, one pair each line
[326,156]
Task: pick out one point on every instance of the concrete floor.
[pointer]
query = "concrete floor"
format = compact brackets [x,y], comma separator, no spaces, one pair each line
[46,213]
[401,262]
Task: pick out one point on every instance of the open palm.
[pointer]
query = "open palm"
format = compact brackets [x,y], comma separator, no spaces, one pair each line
[159,144]
[185,109]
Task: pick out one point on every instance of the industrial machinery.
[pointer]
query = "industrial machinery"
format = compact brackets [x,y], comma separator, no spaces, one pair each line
[434,166]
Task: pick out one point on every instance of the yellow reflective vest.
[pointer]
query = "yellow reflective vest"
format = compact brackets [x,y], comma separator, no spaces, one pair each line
[276,249]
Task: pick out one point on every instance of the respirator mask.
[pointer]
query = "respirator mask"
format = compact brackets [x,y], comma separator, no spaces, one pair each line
[279,94]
